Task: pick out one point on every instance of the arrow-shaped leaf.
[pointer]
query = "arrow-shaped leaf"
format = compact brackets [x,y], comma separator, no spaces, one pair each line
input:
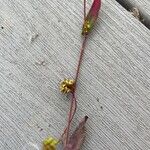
[91,17]
[77,138]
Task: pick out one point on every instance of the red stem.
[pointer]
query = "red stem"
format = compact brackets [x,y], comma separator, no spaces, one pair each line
[73,94]
[73,100]
[71,115]
[84,9]
[79,62]
[75,106]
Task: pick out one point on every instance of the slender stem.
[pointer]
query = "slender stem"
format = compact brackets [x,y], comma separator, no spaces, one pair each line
[84,9]
[71,115]
[73,100]
[79,62]
[73,95]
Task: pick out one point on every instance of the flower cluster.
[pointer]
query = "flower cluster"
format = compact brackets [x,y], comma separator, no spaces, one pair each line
[50,144]
[67,85]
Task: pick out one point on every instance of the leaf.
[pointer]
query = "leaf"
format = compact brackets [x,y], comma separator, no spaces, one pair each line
[91,17]
[77,138]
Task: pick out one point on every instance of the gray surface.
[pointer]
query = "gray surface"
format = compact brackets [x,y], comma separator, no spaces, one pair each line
[115,74]
[142,5]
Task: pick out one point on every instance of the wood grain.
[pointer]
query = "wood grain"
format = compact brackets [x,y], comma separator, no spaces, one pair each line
[141,6]
[39,46]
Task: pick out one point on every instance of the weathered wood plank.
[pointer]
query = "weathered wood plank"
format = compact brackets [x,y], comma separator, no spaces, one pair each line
[143,7]
[115,74]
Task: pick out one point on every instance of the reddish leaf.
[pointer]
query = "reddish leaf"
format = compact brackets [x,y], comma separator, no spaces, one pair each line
[77,138]
[91,17]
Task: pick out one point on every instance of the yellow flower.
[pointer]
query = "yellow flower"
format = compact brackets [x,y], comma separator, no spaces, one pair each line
[67,85]
[86,27]
[50,144]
